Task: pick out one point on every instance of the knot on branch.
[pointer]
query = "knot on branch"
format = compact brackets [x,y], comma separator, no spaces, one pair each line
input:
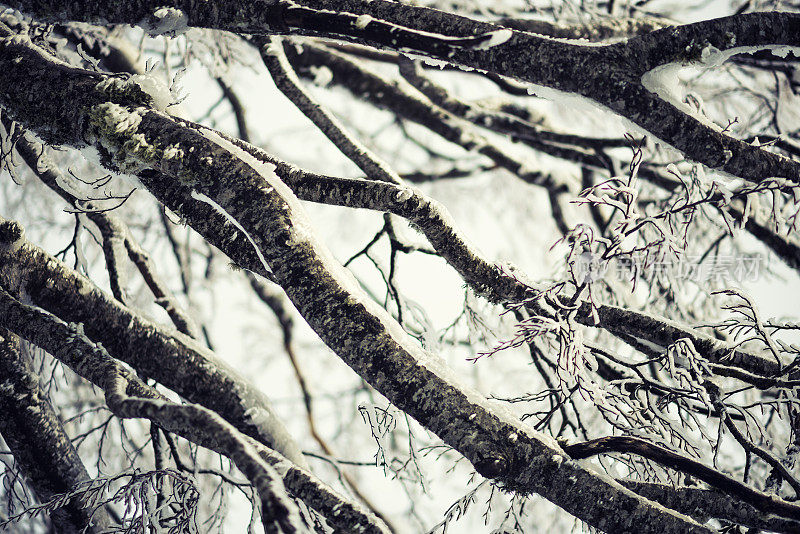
[492,459]
[492,466]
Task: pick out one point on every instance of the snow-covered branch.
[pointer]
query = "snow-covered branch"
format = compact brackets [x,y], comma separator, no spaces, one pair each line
[35,435]
[174,360]
[128,396]
[614,76]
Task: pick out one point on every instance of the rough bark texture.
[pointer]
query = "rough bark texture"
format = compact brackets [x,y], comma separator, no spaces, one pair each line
[609,75]
[42,449]
[703,504]
[173,359]
[228,194]
[69,344]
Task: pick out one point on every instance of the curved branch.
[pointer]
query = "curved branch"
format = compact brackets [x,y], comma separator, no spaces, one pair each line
[596,30]
[114,231]
[388,95]
[705,503]
[42,449]
[206,428]
[174,360]
[609,75]
[274,57]
[193,422]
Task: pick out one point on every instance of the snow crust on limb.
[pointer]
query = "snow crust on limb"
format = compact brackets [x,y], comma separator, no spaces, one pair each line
[117,131]
[154,87]
[323,76]
[304,231]
[283,443]
[166,21]
[664,82]
[711,56]
[496,38]
[362,21]
[433,62]
[576,101]
[158,91]
[231,219]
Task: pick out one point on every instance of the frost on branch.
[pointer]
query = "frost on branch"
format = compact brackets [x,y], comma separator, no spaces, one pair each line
[166,21]
[494,38]
[116,129]
[138,87]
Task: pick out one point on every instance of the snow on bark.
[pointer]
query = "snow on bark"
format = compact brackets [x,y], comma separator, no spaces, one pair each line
[360,331]
[166,21]
[494,38]
[174,360]
[362,21]
[420,383]
[219,209]
[155,89]
[664,80]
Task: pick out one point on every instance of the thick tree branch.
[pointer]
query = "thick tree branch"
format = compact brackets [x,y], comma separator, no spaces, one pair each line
[764,502]
[276,300]
[114,231]
[192,422]
[174,360]
[70,345]
[596,30]
[610,75]
[703,504]
[41,447]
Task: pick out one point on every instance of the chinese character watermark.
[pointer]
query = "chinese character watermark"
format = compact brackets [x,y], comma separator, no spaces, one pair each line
[737,268]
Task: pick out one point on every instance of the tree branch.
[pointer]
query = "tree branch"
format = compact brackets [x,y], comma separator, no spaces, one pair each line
[274,57]
[609,75]
[42,449]
[174,360]
[762,501]
[705,503]
[70,345]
